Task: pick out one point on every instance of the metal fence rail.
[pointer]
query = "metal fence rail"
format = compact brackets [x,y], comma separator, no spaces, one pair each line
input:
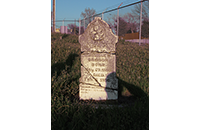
[113,18]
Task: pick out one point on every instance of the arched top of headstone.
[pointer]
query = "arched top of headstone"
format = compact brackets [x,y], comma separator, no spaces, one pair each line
[98,37]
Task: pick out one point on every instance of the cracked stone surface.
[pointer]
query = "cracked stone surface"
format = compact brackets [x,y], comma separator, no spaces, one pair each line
[98,62]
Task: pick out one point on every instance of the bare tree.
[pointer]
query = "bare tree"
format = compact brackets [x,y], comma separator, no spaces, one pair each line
[72,26]
[131,25]
[132,18]
[112,21]
[88,12]
[135,16]
[145,28]
[129,18]
[136,11]
[123,26]
[51,21]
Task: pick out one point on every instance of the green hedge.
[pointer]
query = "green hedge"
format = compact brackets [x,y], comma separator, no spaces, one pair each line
[133,67]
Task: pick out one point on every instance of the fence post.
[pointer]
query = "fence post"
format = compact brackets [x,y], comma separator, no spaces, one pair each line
[92,16]
[140,23]
[79,26]
[103,13]
[54,15]
[117,22]
[63,22]
[84,23]
[74,26]
[118,19]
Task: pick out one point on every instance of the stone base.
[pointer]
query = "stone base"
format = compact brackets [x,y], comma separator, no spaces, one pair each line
[90,92]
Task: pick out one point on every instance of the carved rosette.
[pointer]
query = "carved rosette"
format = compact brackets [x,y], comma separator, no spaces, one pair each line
[98,37]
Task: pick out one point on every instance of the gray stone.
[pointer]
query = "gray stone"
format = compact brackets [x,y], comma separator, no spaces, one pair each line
[98,62]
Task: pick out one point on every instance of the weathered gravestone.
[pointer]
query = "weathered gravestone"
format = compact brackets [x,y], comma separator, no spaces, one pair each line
[98,62]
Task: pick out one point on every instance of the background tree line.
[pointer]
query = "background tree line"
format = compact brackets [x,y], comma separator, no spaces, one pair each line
[128,23]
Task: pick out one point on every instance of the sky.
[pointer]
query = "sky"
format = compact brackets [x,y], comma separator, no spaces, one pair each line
[71,9]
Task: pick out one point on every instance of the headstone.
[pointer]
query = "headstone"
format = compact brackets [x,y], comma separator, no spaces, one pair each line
[98,62]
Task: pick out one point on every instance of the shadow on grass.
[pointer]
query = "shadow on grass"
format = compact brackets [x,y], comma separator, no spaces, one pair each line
[58,67]
[73,115]
[82,116]
[136,91]
[65,35]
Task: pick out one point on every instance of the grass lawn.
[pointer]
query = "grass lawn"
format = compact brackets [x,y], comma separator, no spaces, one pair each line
[132,69]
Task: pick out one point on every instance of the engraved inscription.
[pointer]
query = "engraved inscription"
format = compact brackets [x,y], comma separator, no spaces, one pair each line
[98,74]
[98,65]
[98,59]
[98,68]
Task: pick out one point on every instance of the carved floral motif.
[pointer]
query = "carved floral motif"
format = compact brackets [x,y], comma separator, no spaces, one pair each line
[98,37]
[97,33]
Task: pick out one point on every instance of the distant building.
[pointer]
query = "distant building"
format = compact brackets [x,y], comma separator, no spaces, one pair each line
[130,36]
[66,30]
[58,30]
[63,30]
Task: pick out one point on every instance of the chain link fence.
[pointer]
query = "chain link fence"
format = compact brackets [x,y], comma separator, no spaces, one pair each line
[128,25]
